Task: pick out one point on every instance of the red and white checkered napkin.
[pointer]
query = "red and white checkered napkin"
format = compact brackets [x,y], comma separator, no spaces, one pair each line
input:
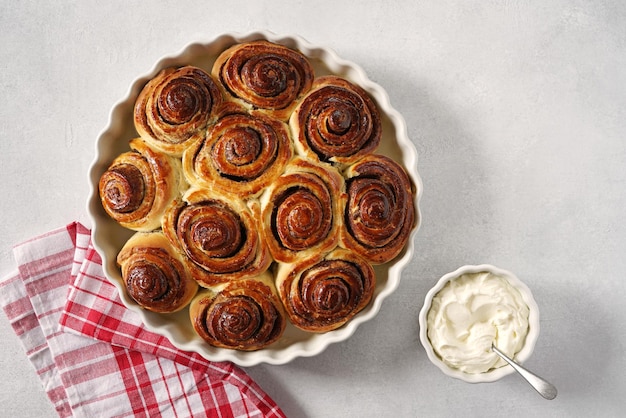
[94,356]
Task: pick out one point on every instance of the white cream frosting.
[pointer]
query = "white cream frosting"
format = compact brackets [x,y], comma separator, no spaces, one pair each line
[472,311]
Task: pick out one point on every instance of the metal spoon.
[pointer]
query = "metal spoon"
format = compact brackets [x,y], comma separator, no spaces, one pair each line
[545,389]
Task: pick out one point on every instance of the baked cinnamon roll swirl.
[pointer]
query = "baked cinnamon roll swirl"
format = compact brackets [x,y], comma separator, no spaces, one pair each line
[322,295]
[240,152]
[302,210]
[380,212]
[243,315]
[155,274]
[336,122]
[220,235]
[175,107]
[265,76]
[139,185]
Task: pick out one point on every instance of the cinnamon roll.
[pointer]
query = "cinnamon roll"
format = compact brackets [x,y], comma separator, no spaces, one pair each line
[322,295]
[241,152]
[380,212]
[139,185]
[219,234]
[301,210]
[336,122]
[264,75]
[175,107]
[244,314]
[155,274]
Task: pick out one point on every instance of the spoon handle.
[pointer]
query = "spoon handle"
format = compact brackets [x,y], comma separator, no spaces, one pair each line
[545,389]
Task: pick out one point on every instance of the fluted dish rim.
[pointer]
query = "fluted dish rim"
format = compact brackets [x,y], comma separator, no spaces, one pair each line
[104,231]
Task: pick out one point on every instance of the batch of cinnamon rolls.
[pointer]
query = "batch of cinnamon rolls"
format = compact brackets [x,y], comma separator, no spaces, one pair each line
[257,197]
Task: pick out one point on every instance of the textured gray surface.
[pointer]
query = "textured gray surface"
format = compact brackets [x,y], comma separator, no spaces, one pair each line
[517,110]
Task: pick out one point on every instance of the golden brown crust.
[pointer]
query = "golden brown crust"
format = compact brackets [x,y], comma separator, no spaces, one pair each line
[261,163]
[139,185]
[265,76]
[322,295]
[241,152]
[302,210]
[219,234]
[336,122]
[244,314]
[175,107]
[380,211]
[155,274]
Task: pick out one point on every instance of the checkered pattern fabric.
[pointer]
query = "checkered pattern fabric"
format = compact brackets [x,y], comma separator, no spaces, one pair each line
[95,357]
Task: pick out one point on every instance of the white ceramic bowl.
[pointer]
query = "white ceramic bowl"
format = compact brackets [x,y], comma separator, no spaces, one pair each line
[493,374]
[109,237]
